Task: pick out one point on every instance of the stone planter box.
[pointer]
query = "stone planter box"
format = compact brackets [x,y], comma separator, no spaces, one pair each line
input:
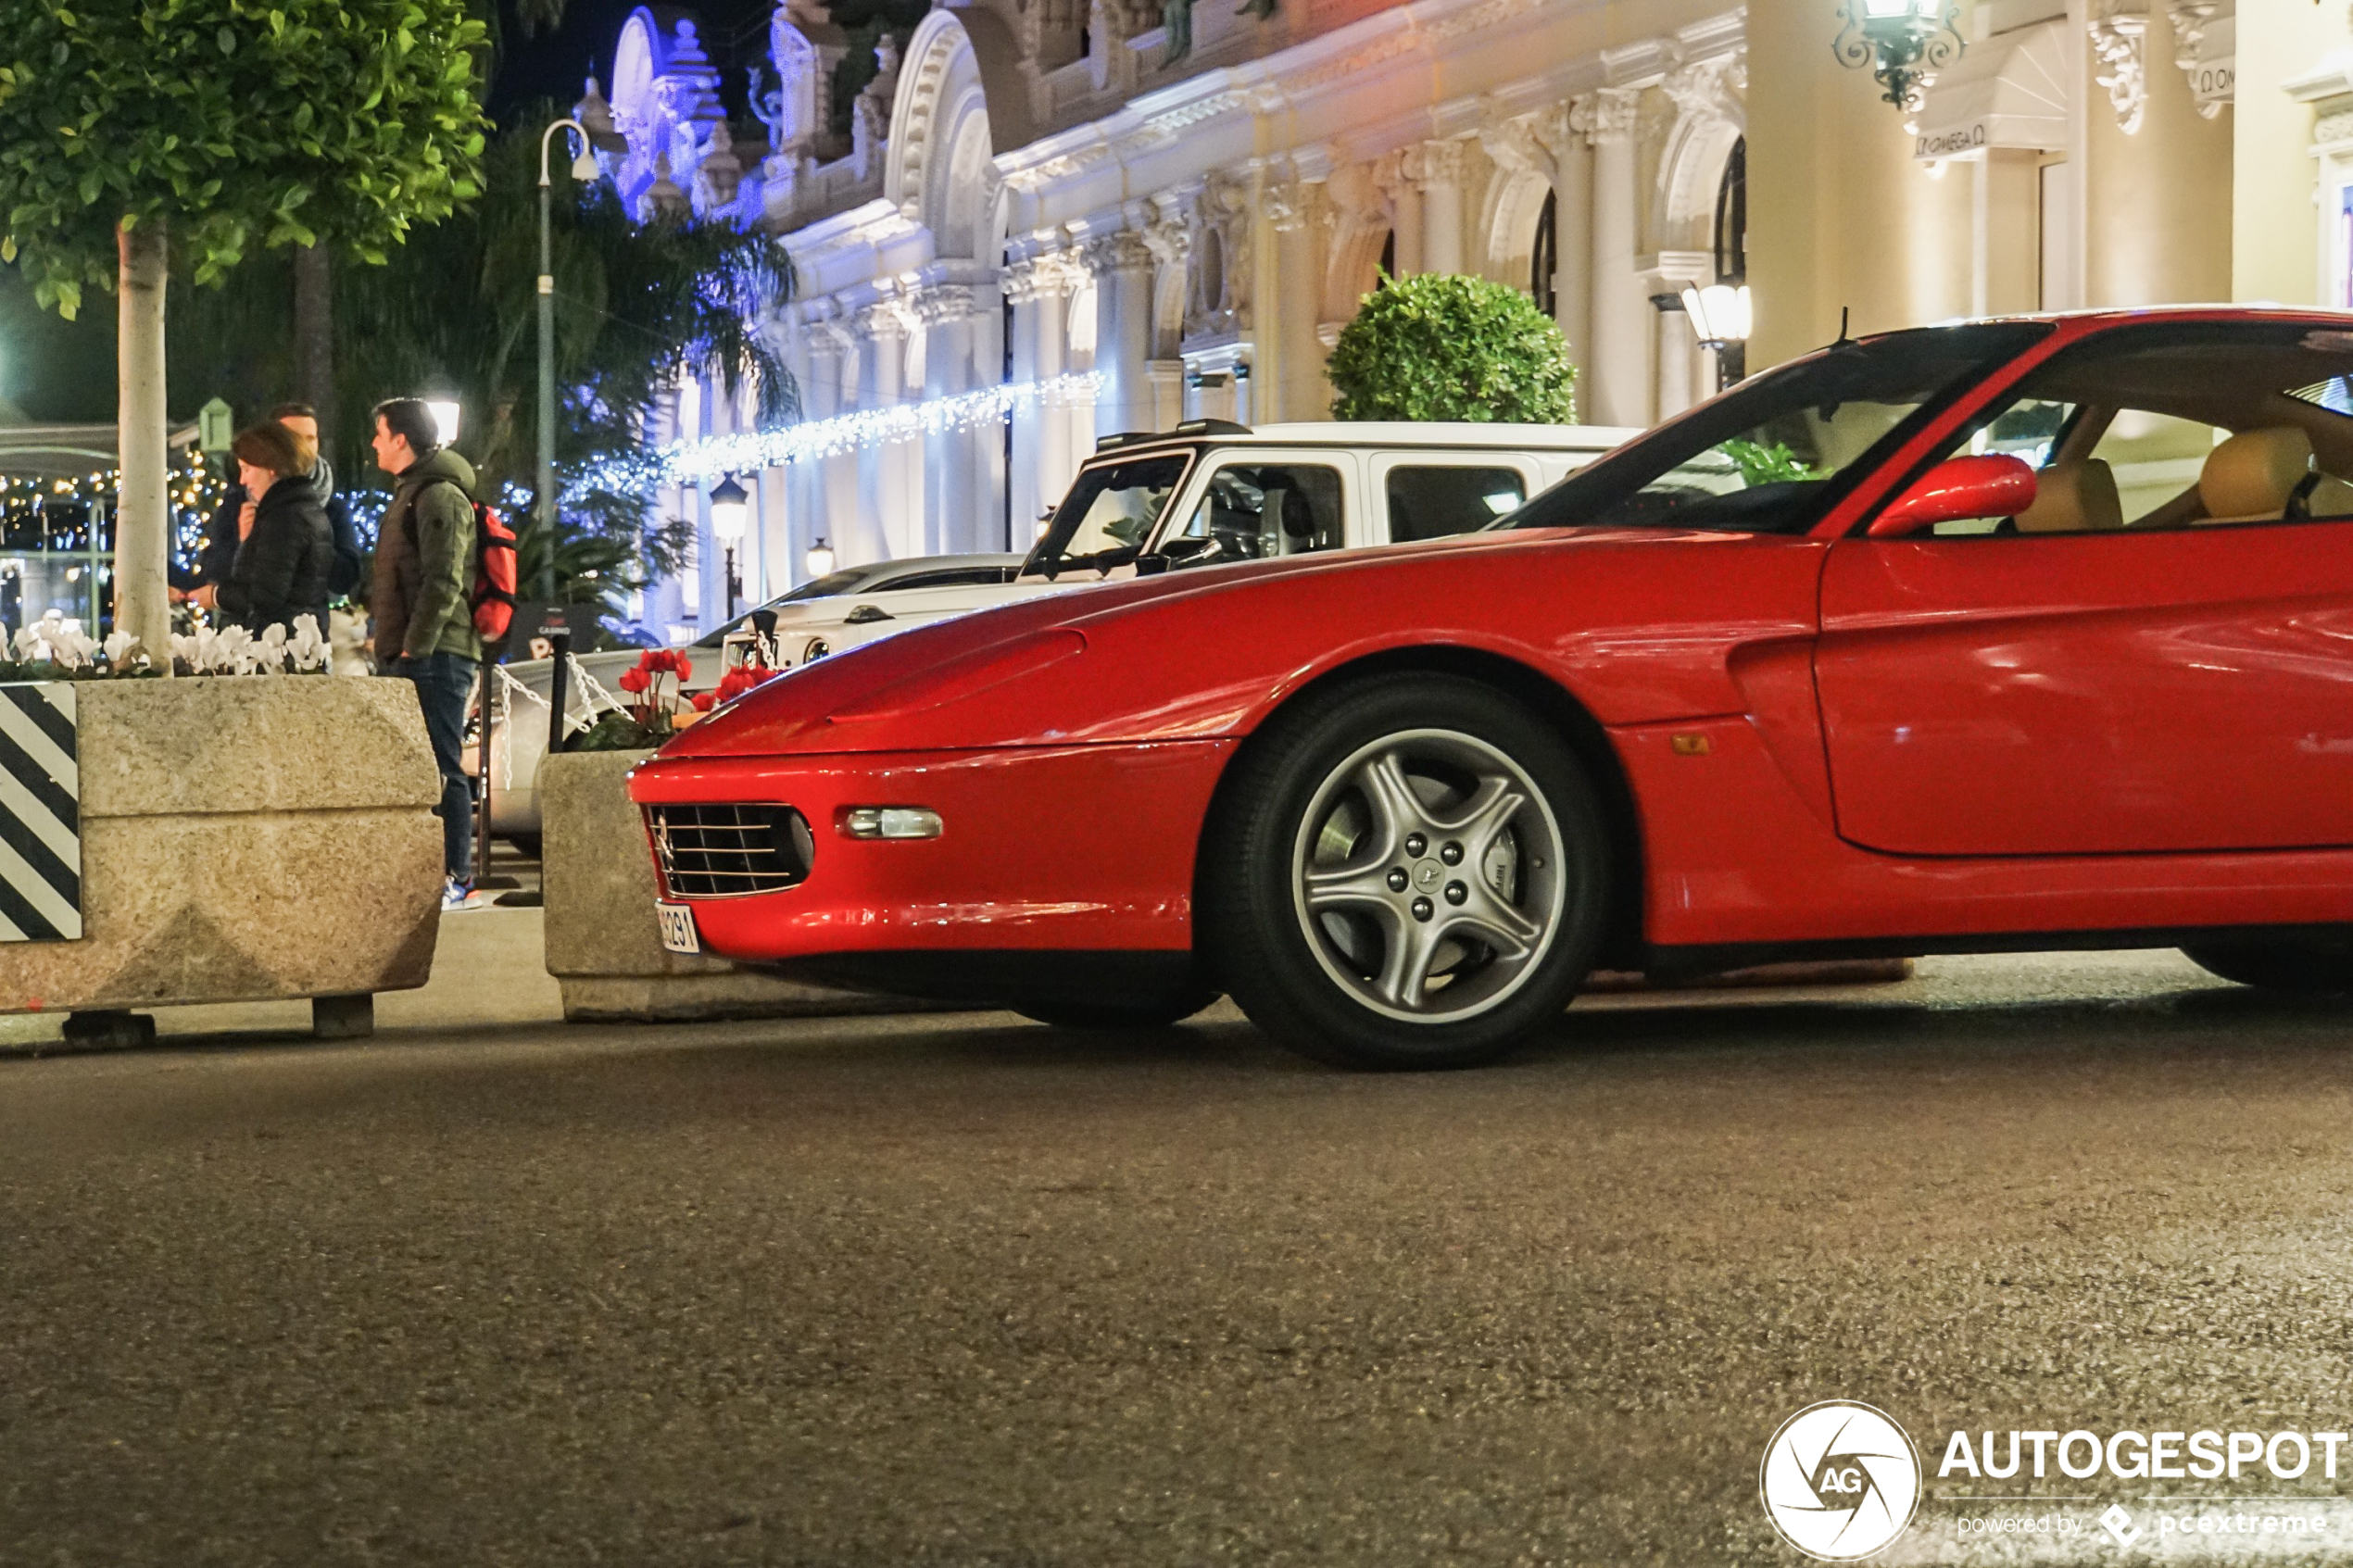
[603,946]
[250,838]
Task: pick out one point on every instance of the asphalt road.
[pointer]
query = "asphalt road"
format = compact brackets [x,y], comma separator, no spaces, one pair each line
[962,1290]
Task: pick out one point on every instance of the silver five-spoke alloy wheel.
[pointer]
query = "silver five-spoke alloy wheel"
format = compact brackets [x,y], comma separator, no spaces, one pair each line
[1428,876]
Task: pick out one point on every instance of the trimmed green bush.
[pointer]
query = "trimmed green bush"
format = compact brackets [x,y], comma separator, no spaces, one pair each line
[1442,347]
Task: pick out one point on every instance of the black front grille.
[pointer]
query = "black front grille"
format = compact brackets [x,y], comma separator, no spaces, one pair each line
[725,851]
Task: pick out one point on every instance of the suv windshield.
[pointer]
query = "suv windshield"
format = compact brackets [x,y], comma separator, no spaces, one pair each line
[1107,516]
[1773,456]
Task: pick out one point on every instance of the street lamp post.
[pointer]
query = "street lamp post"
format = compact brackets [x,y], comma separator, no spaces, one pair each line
[820,559]
[1719,317]
[730,511]
[584,169]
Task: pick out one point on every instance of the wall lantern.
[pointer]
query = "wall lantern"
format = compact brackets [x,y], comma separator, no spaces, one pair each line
[1905,42]
[820,559]
[445,419]
[1719,318]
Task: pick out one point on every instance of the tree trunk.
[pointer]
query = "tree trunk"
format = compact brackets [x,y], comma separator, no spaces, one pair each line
[143,517]
[314,326]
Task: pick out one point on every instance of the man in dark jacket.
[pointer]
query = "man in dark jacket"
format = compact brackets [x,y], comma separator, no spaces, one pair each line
[425,625]
[344,569]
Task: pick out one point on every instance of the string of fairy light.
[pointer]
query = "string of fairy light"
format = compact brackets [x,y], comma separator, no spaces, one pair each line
[56,513]
[691,462]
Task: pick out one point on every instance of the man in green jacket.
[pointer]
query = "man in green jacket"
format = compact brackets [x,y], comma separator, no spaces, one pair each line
[419,598]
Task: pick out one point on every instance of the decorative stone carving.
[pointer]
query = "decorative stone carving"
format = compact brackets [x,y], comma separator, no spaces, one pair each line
[1221,291]
[664,200]
[1711,91]
[1123,251]
[1288,207]
[1606,114]
[794,110]
[870,116]
[2191,18]
[2119,38]
[1048,274]
[1434,163]
[720,176]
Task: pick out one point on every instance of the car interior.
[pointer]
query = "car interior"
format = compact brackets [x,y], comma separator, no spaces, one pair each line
[1257,511]
[2181,427]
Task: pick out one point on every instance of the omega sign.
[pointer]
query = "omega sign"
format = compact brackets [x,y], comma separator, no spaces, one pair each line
[1951,144]
[2214,80]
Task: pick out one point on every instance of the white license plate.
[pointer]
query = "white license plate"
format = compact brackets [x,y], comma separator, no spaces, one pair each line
[677,927]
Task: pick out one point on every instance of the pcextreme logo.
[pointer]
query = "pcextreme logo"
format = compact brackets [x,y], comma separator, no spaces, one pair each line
[1840,1480]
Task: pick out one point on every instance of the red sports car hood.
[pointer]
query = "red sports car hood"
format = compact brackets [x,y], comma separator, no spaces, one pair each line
[1186,655]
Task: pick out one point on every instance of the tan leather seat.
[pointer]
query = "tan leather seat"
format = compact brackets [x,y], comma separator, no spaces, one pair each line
[2077,497]
[2249,477]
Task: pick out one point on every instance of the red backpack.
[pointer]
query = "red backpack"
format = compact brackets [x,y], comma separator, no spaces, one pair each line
[492,598]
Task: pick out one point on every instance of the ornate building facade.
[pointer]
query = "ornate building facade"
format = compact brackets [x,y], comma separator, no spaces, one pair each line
[1046,221]
[1050,221]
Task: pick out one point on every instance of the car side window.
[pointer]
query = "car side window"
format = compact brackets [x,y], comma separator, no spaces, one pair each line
[1430,501]
[2173,425]
[1256,511]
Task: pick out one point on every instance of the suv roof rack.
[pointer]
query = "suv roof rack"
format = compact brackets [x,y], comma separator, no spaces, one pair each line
[1189,427]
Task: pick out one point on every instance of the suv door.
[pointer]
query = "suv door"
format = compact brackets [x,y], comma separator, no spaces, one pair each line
[1433,495]
[1254,504]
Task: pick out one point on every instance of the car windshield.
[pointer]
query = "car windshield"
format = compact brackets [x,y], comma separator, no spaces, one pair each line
[1773,456]
[1107,516]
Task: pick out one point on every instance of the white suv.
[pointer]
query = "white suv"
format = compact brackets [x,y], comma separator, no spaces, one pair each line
[1207,492]
[1210,491]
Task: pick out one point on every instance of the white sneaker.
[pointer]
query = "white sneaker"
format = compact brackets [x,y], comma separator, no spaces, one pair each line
[455,895]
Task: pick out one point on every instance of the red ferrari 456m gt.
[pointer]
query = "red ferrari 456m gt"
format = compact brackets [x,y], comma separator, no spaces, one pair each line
[2012,635]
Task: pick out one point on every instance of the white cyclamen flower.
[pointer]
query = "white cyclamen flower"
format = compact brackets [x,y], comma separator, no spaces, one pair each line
[308,648]
[119,646]
[28,642]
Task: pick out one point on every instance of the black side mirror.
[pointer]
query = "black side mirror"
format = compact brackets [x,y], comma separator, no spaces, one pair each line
[1151,565]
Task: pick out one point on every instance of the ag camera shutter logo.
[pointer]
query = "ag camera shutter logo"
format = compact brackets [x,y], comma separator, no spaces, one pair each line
[1840,1480]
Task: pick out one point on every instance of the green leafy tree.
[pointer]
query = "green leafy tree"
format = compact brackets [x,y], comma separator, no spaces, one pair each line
[1441,346]
[454,311]
[130,128]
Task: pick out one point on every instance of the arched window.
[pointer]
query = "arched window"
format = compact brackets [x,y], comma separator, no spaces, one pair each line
[1388,261]
[1731,217]
[1543,257]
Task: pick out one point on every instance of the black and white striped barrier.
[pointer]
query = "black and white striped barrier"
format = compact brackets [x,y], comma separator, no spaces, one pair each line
[39,814]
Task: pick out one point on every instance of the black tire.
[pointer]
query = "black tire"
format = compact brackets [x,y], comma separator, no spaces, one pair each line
[2313,966]
[1157,1012]
[524,843]
[1296,926]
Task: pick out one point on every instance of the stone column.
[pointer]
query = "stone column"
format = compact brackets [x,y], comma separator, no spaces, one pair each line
[840,517]
[1022,285]
[1122,264]
[1436,168]
[897,516]
[1618,369]
[1403,193]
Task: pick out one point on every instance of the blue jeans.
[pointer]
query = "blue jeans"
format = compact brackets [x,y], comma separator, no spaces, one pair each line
[444,684]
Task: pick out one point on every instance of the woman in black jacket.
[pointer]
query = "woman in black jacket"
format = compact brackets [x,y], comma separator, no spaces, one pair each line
[286,552]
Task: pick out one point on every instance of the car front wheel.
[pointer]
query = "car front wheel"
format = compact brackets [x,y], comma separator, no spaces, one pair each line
[1411,874]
